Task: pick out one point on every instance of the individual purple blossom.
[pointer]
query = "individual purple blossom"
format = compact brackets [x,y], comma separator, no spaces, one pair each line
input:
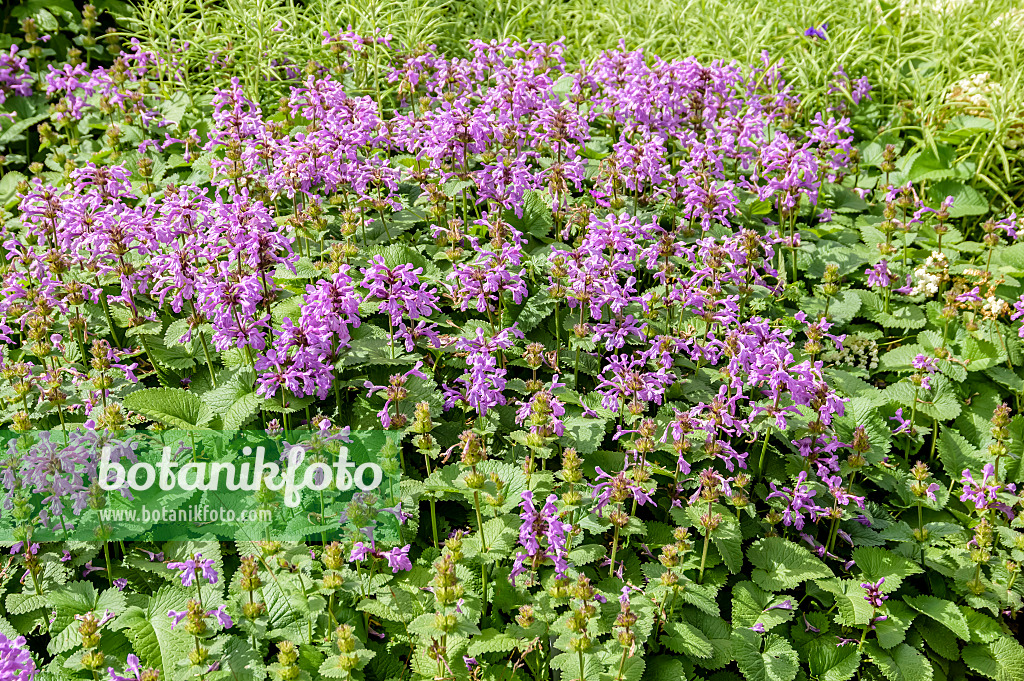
[874,592]
[818,33]
[133,668]
[879,275]
[193,566]
[925,364]
[222,616]
[360,551]
[904,425]
[398,558]
[984,493]
[396,511]
[799,500]
[177,616]
[394,392]
[89,569]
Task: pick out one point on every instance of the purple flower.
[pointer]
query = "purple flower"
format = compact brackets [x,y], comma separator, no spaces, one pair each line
[874,594]
[905,426]
[817,33]
[396,511]
[543,535]
[800,500]
[16,662]
[89,569]
[925,364]
[470,662]
[193,566]
[132,666]
[222,616]
[177,616]
[398,558]
[984,493]
[360,551]
[879,275]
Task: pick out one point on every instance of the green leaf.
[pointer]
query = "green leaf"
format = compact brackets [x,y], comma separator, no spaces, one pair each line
[1002,659]
[942,611]
[171,406]
[900,358]
[9,187]
[781,564]
[901,663]
[491,641]
[238,658]
[930,165]
[939,638]
[966,200]
[876,563]
[853,610]
[241,411]
[585,434]
[752,605]
[980,354]
[905,317]
[632,668]
[538,306]
[537,219]
[939,403]
[665,668]
[829,662]
[151,635]
[983,628]
[956,453]
[772,659]
[893,629]
[686,639]
[1013,256]
[717,632]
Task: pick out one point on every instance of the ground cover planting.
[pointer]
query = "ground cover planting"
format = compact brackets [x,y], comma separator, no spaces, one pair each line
[542,364]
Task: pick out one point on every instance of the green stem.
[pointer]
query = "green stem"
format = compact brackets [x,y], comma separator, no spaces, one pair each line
[615,546]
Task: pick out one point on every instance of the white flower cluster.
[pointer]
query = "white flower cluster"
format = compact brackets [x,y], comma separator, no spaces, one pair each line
[858,351]
[994,307]
[976,90]
[928,276]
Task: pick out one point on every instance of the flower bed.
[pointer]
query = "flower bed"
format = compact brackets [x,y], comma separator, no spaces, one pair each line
[675,378]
